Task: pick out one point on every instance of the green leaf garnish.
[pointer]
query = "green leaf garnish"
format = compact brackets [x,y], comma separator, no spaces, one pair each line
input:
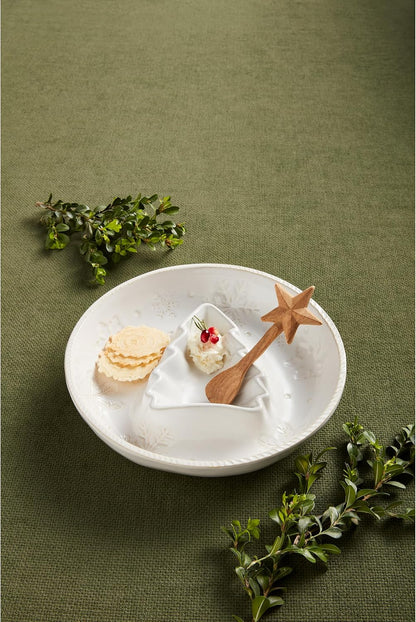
[200,324]
[111,232]
[303,533]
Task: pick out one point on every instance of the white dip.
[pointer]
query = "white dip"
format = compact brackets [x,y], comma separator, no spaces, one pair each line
[208,357]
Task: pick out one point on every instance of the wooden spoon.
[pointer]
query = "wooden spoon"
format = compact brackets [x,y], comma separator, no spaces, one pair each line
[287,317]
[224,387]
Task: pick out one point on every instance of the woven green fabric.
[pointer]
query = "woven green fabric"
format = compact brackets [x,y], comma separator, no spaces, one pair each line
[284,130]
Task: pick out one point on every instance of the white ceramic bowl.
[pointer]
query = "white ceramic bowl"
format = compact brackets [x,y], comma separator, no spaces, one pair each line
[162,422]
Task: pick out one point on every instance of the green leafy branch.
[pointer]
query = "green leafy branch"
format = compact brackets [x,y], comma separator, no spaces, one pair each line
[113,231]
[304,533]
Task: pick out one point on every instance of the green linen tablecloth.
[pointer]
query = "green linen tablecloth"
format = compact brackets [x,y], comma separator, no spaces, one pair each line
[284,130]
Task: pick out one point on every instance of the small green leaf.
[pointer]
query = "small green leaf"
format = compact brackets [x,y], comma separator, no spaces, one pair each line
[263,581]
[346,428]
[61,241]
[302,464]
[275,601]
[49,242]
[318,466]
[304,523]
[99,258]
[396,484]
[369,436]
[261,604]
[330,548]
[114,225]
[394,469]
[274,515]
[253,527]
[276,545]
[353,451]
[331,513]
[350,493]
[252,524]
[61,226]
[378,468]
[320,554]
[333,532]
[255,587]
[307,555]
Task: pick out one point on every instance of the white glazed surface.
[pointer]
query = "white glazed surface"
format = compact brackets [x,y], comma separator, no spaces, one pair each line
[303,382]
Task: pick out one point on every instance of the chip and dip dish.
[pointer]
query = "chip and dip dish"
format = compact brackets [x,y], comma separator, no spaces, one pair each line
[164,421]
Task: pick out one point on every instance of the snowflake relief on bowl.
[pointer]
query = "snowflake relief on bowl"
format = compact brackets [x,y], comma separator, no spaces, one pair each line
[307,360]
[274,435]
[111,401]
[106,328]
[107,403]
[164,306]
[150,438]
[234,300]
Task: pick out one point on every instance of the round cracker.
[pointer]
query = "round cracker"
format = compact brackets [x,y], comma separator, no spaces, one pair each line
[138,341]
[130,361]
[123,374]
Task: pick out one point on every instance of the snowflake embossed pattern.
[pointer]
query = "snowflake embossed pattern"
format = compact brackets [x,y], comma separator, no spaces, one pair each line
[150,438]
[274,437]
[107,328]
[164,306]
[234,300]
[307,361]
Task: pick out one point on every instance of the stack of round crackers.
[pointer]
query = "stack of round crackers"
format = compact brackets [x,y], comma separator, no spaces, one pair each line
[132,353]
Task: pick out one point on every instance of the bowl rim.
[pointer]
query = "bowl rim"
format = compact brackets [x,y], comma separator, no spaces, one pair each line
[118,443]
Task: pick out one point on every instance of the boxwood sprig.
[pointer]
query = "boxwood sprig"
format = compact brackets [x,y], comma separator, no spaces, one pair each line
[113,231]
[303,532]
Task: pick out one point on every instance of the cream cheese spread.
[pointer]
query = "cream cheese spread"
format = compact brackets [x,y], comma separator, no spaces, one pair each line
[208,356]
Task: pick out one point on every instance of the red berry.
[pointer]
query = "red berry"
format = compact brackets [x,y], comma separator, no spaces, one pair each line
[204,336]
[212,330]
[214,338]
